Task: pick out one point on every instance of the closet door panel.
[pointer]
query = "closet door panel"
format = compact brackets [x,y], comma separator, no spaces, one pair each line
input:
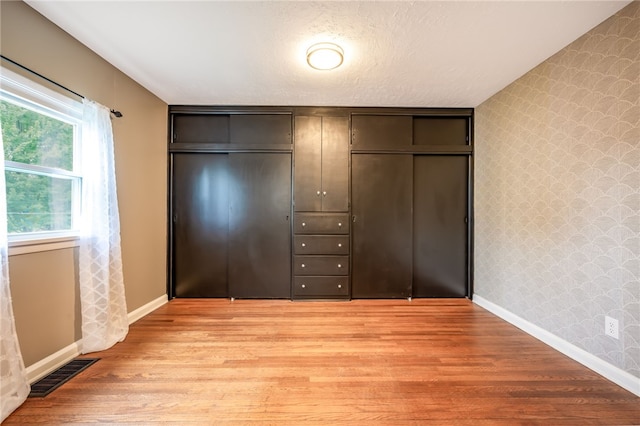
[265,129]
[198,128]
[200,229]
[335,164]
[440,230]
[259,225]
[381,131]
[308,170]
[440,131]
[382,192]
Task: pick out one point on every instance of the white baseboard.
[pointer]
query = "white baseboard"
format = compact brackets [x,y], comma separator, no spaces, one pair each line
[56,360]
[143,310]
[609,371]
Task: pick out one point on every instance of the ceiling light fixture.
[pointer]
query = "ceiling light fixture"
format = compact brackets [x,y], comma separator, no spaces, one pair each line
[325,56]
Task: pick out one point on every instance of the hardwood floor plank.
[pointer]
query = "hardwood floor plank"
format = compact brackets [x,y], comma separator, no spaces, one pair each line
[436,362]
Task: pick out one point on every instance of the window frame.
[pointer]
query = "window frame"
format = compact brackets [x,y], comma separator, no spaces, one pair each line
[26,93]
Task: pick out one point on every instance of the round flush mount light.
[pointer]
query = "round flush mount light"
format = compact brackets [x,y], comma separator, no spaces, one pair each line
[325,56]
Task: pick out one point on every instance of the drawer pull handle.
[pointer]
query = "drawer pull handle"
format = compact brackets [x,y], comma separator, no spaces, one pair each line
[339,244]
[339,223]
[339,285]
[339,265]
[303,286]
[302,265]
[304,245]
[304,224]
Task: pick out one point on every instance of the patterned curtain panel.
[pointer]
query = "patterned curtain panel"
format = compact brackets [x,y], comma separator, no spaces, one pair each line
[14,387]
[102,297]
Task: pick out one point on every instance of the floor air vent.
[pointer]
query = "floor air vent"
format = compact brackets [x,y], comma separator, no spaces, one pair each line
[52,381]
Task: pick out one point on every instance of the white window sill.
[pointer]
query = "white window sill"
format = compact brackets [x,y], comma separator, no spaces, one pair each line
[18,245]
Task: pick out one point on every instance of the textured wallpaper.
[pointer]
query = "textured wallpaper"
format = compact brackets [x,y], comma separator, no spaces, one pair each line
[557,193]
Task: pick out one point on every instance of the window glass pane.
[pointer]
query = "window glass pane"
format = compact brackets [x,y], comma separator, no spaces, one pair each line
[33,138]
[38,203]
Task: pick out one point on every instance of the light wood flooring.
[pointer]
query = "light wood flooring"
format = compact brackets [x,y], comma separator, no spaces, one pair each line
[424,362]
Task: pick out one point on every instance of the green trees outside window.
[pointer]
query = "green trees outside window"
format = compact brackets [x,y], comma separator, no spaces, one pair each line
[38,153]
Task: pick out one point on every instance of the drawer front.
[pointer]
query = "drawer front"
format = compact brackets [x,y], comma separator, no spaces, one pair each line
[309,223]
[321,286]
[321,244]
[321,265]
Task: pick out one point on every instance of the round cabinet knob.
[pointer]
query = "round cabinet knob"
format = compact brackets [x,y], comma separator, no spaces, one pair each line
[303,286]
[318,193]
[304,245]
[339,285]
[339,223]
[302,265]
[304,224]
[339,244]
[324,193]
[339,265]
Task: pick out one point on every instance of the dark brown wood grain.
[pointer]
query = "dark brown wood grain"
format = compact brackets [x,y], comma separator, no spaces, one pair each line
[365,362]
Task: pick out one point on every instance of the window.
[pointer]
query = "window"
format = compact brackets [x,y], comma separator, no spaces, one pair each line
[41,134]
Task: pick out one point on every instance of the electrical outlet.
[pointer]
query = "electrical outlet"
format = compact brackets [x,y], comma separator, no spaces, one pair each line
[611,327]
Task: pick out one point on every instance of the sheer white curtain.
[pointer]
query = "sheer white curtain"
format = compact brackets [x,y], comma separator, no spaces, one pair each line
[102,297]
[14,387]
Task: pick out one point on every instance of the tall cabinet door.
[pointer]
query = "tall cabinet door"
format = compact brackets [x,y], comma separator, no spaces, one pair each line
[308,167]
[322,164]
[439,226]
[382,193]
[259,225]
[335,164]
[200,229]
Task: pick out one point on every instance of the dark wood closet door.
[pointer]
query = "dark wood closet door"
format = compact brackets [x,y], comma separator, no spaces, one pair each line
[322,164]
[308,164]
[381,189]
[440,194]
[259,225]
[381,131]
[201,224]
[262,129]
[335,164]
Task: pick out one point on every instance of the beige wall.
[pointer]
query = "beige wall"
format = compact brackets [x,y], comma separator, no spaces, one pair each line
[557,196]
[44,285]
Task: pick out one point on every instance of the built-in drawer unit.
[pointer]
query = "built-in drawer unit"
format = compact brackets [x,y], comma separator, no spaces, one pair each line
[321,244]
[321,259]
[321,223]
[321,265]
[321,287]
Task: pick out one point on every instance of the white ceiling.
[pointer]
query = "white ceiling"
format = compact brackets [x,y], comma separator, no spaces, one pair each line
[422,54]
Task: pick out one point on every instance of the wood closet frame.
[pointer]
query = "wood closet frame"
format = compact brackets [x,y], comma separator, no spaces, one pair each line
[325,166]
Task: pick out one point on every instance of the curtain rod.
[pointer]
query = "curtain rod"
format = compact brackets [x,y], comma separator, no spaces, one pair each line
[117,114]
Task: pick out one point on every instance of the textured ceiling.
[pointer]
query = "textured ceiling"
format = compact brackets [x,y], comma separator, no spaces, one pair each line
[425,54]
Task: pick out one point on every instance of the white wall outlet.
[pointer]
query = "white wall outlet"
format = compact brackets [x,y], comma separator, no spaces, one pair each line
[611,327]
